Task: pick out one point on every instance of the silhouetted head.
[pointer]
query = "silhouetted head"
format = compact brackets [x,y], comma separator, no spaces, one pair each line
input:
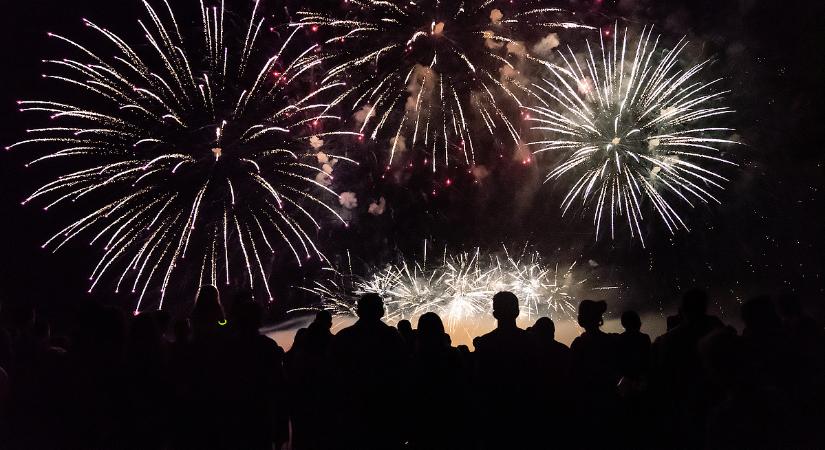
[247,316]
[429,324]
[694,304]
[590,313]
[323,319]
[544,328]
[631,321]
[759,315]
[405,327]
[370,307]
[505,306]
[208,311]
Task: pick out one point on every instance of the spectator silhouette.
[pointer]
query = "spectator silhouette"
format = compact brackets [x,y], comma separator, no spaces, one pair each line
[553,361]
[308,371]
[204,401]
[680,386]
[506,367]
[436,375]
[368,358]
[634,348]
[595,375]
[255,382]
[407,333]
[634,364]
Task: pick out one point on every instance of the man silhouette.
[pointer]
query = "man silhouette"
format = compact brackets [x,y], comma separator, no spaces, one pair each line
[367,357]
[506,364]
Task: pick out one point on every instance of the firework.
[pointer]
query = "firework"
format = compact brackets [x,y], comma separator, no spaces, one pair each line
[632,127]
[186,153]
[421,73]
[460,287]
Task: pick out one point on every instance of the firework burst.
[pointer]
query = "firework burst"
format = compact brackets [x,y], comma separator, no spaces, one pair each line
[187,153]
[422,73]
[633,127]
[460,287]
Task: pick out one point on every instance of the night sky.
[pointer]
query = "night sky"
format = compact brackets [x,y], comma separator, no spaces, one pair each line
[766,237]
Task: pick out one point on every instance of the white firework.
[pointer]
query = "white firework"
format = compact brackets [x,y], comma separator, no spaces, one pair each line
[634,128]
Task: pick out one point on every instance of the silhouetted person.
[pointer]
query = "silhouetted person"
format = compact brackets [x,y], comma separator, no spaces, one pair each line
[680,386]
[747,416]
[505,373]
[553,360]
[407,333]
[256,382]
[203,398]
[367,357]
[633,365]
[436,375]
[634,348]
[308,375]
[595,375]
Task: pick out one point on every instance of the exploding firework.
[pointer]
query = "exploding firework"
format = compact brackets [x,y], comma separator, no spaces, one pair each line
[189,154]
[633,127]
[422,73]
[460,287]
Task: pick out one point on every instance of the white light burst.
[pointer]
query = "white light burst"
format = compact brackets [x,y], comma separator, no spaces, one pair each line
[460,287]
[634,127]
[186,153]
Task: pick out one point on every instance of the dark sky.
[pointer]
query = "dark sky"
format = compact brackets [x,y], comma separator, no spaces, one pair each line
[766,237]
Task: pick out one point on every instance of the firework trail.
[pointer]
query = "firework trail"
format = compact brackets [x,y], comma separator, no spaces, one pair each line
[186,153]
[460,287]
[421,73]
[633,129]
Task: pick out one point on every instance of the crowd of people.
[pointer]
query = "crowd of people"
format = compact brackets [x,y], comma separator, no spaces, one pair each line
[213,381]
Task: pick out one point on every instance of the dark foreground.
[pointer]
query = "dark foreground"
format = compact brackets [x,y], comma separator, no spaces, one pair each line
[213,382]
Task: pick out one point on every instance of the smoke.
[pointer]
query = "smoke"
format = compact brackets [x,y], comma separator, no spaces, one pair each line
[323,178]
[322,157]
[544,47]
[362,114]
[517,48]
[316,142]
[490,40]
[348,200]
[480,172]
[438,29]
[399,143]
[496,16]
[421,75]
[511,74]
[377,208]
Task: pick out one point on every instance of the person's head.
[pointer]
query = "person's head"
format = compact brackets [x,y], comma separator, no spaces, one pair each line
[505,307]
[430,324]
[694,304]
[631,321]
[208,311]
[323,319]
[370,307]
[590,314]
[405,327]
[544,328]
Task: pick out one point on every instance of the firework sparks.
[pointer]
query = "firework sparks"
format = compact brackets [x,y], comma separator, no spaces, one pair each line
[460,287]
[184,151]
[633,127]
[420,72]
